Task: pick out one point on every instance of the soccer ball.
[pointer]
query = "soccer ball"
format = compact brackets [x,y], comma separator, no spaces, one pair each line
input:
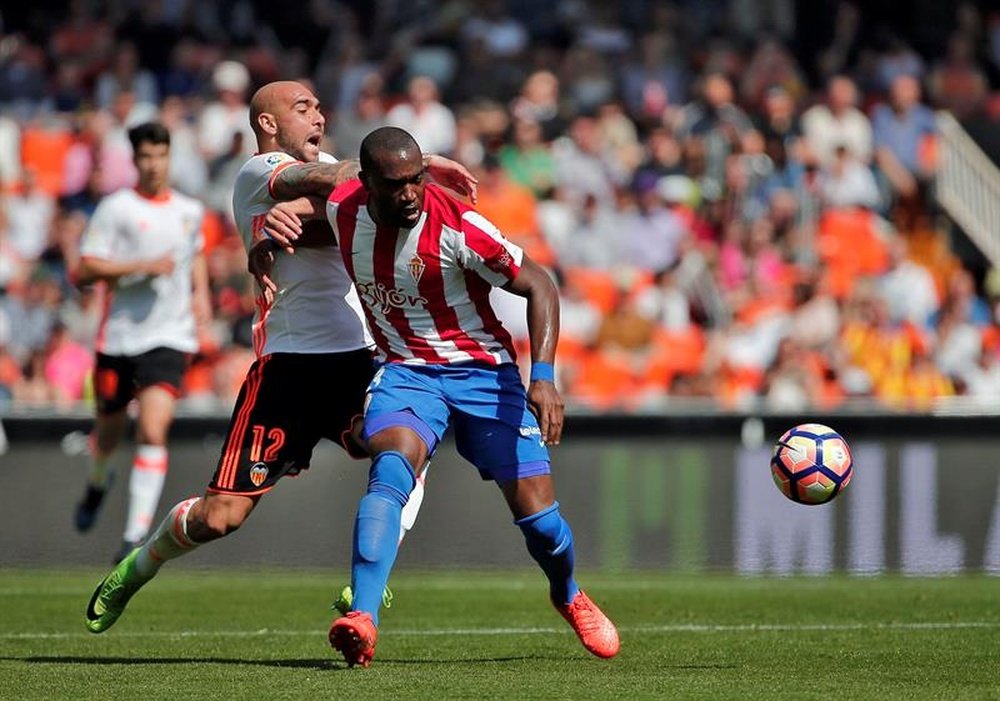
[811,464]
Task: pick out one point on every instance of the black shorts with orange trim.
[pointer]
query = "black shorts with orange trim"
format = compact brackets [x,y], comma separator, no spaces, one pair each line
[117,378]
[288,402]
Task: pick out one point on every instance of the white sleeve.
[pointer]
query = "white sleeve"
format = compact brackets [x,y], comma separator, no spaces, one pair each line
[99,239]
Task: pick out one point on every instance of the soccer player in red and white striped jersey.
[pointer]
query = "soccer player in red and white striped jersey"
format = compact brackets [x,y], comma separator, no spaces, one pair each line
[423,265]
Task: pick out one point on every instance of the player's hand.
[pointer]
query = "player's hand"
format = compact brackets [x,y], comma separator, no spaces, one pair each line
[453,175]
[283,225]
[547,405]
[260,260]
[164,265]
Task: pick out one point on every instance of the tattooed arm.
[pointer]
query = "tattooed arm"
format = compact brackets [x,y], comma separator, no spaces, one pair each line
[319,179]
[312,179]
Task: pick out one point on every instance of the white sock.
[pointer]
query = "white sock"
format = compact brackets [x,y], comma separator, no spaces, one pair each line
[169,540]
[412,506]
[149,471]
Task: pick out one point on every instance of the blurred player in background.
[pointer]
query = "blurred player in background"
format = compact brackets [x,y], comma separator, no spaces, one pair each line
[146,245]
[314,351]
[424,264]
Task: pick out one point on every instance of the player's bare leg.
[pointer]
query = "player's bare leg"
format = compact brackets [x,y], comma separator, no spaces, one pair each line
[149,465]
[550,542]
[109,429]
[188,525]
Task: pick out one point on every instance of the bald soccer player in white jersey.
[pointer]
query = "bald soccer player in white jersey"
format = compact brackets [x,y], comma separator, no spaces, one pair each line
[145,244]
[314,352]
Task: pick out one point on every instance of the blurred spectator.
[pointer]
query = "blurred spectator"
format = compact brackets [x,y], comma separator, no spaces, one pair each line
[67,366]
[502,36]
[846,182]
[655,78]
[908,287]
[539,100]
[29,216]
[957,84]
[430,122]
[581,171]
[512,208]
[902,129]
[838,123]
[352,124]
[653,233]
[125,75]
[188,170]
[527,160]
[228,114]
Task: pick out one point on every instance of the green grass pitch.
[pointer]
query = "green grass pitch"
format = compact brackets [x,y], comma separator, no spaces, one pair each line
[462,635]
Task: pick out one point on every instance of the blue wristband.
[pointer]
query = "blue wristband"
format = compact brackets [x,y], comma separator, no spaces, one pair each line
[543,371]
[266,234]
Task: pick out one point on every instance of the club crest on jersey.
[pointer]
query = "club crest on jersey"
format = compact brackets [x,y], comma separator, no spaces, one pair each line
[385,299]
[258,473]
[416,267]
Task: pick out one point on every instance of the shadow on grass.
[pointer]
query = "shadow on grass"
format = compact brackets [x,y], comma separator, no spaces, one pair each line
[318,664]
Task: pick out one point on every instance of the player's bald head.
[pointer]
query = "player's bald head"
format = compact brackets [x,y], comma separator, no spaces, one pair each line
[387,144]
[273,98]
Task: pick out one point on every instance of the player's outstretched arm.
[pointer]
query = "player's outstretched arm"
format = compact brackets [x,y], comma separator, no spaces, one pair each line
[92,269]
[535,285]
[312,179]
[319,179]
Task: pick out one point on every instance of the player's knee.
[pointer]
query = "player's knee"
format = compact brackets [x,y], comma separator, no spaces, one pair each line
[222,516]
[547,530]
[392,476]
[401,440]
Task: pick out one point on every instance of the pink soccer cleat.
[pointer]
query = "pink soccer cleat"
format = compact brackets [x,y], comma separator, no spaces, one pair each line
[354,636]
[595,630]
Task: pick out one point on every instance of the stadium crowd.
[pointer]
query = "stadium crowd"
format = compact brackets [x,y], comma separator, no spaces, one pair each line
[735,197]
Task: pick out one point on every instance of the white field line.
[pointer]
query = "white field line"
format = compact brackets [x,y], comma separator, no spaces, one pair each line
[430,632]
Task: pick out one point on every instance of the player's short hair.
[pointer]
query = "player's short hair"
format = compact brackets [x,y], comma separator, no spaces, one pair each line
[148,133]
[384,140]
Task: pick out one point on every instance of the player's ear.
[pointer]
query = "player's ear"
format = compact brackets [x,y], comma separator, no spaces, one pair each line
[267,123]
[363,177]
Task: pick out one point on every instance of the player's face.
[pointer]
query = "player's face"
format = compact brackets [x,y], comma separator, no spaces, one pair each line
[153,163]
[396,189]
[300,126]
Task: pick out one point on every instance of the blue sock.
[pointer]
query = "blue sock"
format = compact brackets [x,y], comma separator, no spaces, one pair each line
[376,529]
[550,542]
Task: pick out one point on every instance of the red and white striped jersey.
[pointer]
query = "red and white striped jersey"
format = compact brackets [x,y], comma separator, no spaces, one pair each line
[143,312]
[425,290]
[316,309]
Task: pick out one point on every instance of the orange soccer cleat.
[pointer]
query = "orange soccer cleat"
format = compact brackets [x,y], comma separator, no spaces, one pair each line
[595,630]
[354,636]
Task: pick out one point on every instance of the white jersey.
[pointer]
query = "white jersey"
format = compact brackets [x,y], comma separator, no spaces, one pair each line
[316,308]
[142,312]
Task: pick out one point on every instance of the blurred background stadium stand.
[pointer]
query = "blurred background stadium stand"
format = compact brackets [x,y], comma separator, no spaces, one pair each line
[764,208]
[751,205]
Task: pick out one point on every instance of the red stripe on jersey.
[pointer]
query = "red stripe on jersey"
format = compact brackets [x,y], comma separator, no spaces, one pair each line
[494,254]
[431,287]
[274,174]
[479,292]
[384,258]
[349,198]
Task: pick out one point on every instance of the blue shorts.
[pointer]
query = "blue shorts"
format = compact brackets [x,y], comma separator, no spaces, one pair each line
[494,429]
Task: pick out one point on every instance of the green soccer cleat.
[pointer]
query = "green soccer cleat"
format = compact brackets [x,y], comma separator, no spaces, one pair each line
[113,593]
[346,599]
